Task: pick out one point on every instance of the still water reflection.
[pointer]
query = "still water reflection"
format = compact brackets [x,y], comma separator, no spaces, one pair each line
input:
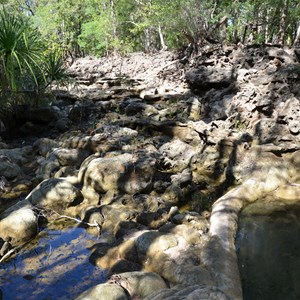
[269,256]
[56,267]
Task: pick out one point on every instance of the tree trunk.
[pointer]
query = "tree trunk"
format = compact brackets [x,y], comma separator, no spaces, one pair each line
[297,38]
[282,23]
[161,38]
[114,20]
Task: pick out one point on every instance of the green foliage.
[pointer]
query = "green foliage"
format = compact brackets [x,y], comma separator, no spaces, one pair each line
[97,27]
[20,51]
[25,65]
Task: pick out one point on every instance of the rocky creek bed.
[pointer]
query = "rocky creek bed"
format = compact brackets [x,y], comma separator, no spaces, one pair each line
[156,156]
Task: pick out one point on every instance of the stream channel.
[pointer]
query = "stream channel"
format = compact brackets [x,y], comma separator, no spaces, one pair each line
[55,265]
[269,256]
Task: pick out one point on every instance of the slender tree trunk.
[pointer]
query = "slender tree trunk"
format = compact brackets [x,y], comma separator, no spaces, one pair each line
[297,38]
[161,37]
[267,28]
[147,45]
[282,23]
[114,20]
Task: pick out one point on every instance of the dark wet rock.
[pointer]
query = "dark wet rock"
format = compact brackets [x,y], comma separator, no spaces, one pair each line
[47,167]
[206,78]
[154,220]
[80,112]
[44,115]
[63,124]
[140,108]
[18,155]
[124,265]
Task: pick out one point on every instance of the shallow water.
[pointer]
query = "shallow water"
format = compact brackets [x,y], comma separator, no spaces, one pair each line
[269,256]
[54,266]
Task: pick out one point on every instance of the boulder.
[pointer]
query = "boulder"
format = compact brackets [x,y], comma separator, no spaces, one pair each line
[139,284]
[19,222]
[124,173]
[69,157]
[54,193]
[205,78]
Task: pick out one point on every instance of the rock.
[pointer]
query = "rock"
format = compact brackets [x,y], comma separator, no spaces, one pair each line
[104,292]
[54,193]
[193,292]
[153,241]
[8,169]
[134,108]
[294,127]
[18,155]
[139,284]
[177,155]
[45,145]
[19,222]
[48,167]
[63,124]
[80,112]
[69,157]
[211,77]
[123,173]
[44,115]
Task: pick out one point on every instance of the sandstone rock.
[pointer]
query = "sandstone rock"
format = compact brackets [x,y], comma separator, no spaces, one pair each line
[54,193]
[19,222]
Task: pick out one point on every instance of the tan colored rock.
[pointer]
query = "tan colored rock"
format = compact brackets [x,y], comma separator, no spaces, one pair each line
[19,222]
[54,193]
[139,284]
[123,173]
[104,292]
